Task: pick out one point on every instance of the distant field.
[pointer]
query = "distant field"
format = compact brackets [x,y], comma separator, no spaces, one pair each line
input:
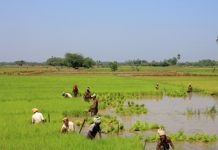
[146,70]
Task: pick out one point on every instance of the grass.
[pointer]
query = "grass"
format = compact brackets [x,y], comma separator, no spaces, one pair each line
[19,94]
[208,111]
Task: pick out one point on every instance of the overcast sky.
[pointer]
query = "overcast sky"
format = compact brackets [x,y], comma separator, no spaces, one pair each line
[108,30]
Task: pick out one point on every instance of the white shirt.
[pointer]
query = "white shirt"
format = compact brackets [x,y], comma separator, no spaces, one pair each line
[37,117]
[70,127]
[68,95]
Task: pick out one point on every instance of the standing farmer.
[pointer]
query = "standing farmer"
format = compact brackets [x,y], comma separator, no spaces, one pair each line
[164,141]
[94,128]
[37,117]
[94,107]
[75,90]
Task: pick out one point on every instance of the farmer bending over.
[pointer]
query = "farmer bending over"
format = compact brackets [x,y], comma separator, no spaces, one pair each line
[189,88]
[67,95]
[87,94]
[68,126]
[94,128]
[75,90]
[157,86]
[94,107]
[164,142]
[37,117]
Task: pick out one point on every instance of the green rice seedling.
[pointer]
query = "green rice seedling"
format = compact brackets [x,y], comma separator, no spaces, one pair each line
[180,136]
[208,111]
[143,126]
[211,110]
[133,109]
[202,137]
[109,124]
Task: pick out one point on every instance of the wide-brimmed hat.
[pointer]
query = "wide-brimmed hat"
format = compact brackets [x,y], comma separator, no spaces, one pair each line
[65,119]
[97,119]
[161,132]
[34,110]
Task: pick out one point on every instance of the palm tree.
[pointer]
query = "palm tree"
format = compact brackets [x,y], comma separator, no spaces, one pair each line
[217,39]
[178,56]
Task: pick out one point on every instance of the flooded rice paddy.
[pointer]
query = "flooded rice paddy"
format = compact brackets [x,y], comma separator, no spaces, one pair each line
[171,112]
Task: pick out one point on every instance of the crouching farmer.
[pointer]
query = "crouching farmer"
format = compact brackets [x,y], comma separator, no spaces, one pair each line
[94,128]
[68,126]
[87,94]
[37,117]
[189,88]
[67,95]
[164,141]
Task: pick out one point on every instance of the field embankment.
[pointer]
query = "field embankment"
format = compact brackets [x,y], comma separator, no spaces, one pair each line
[122,71]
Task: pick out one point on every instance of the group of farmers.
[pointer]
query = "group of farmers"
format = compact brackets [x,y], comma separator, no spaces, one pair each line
[164,142]
[86,96]
[69,126]
[188,91]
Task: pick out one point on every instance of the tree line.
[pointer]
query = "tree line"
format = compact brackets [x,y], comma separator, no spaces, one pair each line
[76,60]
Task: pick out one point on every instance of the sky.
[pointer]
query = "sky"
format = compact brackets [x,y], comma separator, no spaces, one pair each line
[108,30]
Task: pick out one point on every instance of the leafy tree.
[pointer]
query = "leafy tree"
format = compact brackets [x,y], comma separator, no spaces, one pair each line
[74,60]
[88,62]
[206,62]
[55,61]
[20,62]
[164,63]
[113,66]
[172,61]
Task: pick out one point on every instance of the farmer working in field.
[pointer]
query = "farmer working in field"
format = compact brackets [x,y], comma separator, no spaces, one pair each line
[37,116]
[94,128]
[75,90]
[87,94]
[164,141]
[68,126]
[94,107]
[67,95]
[157,86]
[189,88]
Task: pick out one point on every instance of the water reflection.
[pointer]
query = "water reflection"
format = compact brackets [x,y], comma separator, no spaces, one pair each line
[170,111]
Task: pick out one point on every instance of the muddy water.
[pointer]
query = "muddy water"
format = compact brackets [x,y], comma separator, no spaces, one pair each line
[186,146]
[169,111]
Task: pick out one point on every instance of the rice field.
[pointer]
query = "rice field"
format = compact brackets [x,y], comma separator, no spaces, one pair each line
[19,94]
